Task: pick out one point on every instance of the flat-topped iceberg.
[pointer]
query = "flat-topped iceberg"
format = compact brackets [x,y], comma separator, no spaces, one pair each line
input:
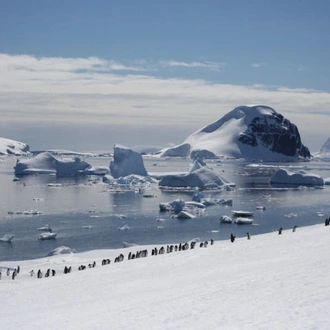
[283,176]
[126,162]
[46,163]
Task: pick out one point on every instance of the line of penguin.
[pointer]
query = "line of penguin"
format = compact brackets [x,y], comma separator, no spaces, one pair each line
[139,254]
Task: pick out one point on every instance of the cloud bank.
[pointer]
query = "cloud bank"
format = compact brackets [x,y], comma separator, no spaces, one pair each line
[99,91]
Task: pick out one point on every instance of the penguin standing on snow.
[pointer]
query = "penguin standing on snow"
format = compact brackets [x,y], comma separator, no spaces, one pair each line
[232,238]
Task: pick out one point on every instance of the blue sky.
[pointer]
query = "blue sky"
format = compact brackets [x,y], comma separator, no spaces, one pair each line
[199,59]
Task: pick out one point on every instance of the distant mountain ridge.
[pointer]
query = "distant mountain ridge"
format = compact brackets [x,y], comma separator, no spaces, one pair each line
[249,132]
[325,149]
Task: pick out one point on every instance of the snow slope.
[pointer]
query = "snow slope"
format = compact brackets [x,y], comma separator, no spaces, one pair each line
[12,147]
[269,282]
[249,132]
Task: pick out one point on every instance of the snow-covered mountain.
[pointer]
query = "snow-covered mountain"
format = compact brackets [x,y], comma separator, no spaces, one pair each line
[324,153]
[12,147]
[249,132]
[325,149]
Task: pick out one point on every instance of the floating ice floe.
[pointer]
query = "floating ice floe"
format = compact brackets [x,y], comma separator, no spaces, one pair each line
[60,250]
[209,201]
[55,185]
[262,208]
[239,213]
[125,227]
[199,176]
[137,183]
[126,244]
[7,238]
[45,236]
[120,216]
[32,212]
[195,204]
[291,215]
[185,215]
[226,219]
[15,212]
[38,199]
[97,170]
[148,196]
[243,221]
[178,205]
[45,228]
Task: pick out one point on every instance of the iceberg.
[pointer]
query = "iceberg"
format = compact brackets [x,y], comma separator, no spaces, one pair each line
[59,250]
[199,176]
[226,219]
[97,170]
[243,221]
[239,213]
[175,206]
[284,176]
[46,228]
[185,215]
[47,235]
[7,238]
[126,162]
[46,163]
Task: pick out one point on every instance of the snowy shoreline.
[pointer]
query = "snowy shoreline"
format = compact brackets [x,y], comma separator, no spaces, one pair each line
[271,281]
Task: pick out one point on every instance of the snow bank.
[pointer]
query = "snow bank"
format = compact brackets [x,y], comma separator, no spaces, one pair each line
[284,176]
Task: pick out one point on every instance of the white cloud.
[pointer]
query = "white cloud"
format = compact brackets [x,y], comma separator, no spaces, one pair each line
[89,90]
[213,66]
[258,65]
[55,64]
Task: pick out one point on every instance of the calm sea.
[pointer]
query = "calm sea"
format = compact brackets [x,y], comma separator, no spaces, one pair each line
[87,215]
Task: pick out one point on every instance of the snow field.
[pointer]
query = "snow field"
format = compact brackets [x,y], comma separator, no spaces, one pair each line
[269,282]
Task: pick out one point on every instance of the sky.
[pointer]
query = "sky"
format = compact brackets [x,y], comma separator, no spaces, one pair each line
[268,282]
[86,75]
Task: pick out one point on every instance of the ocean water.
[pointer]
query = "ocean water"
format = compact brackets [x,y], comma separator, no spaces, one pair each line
[88,214]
